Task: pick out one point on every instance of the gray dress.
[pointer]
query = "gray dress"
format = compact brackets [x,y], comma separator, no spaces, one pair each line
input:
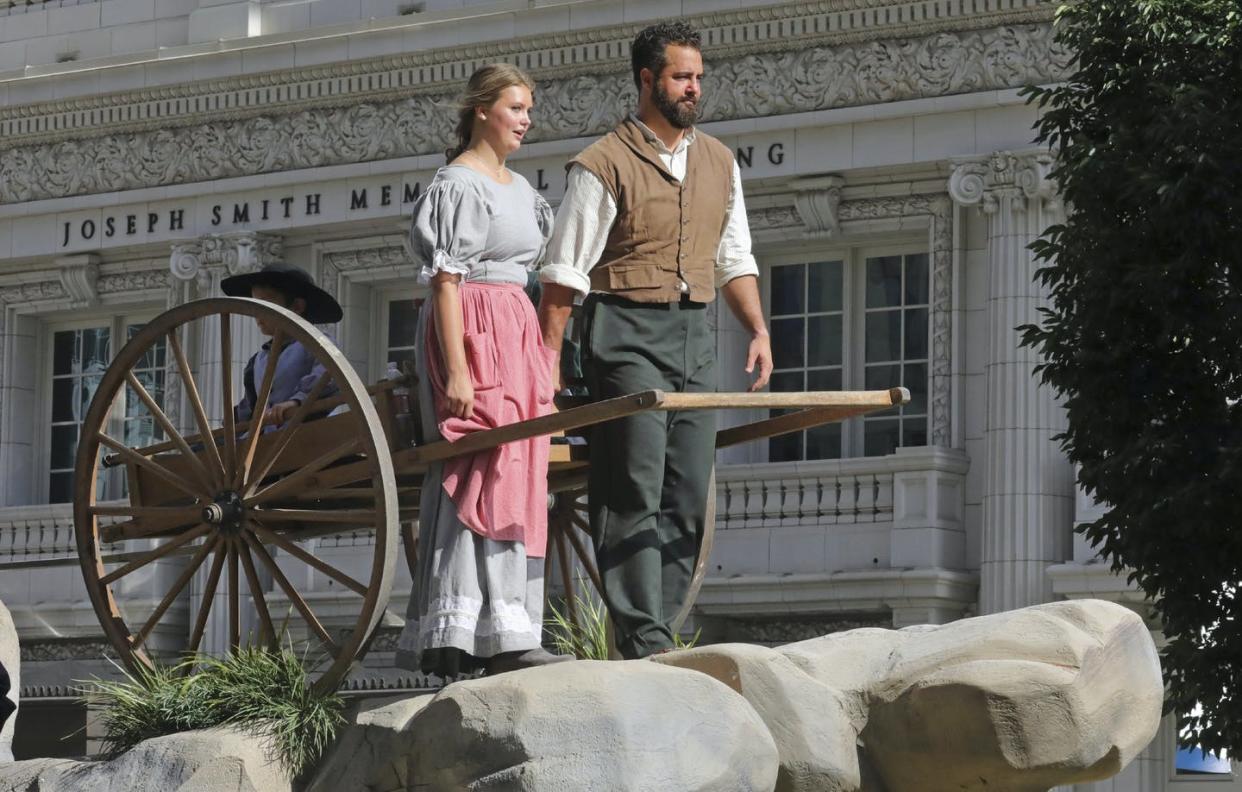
[473,597]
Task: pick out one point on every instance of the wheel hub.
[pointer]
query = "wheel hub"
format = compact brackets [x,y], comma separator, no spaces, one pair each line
[227,512]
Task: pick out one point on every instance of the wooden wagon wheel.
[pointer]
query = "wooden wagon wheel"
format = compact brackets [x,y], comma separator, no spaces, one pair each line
[569,537]
[236,498]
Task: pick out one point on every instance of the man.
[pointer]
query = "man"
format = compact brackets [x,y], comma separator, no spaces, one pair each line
[652,222]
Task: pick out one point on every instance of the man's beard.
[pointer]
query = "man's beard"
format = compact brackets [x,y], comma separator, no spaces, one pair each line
[681,114]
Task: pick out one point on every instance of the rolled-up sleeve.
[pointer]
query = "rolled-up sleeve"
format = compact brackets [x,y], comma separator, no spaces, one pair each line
[585,216]
[734,258]
[449,229]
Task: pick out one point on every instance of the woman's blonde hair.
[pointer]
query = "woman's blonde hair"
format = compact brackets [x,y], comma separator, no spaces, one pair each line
[484,88]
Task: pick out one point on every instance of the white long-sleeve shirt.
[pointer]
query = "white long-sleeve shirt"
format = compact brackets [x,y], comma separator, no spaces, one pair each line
[588,210]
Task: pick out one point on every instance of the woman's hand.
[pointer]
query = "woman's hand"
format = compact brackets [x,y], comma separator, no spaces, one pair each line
[459,395]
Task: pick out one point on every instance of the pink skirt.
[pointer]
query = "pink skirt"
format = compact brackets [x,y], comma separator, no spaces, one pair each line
[501,493]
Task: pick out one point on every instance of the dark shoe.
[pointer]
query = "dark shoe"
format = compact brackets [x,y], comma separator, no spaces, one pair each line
[527,658]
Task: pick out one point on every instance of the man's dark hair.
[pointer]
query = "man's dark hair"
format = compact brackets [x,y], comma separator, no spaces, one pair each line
[647,51]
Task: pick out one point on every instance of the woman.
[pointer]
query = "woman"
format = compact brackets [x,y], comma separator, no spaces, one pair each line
[477,230]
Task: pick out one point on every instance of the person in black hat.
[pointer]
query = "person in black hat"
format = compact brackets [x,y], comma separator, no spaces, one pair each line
[297,370]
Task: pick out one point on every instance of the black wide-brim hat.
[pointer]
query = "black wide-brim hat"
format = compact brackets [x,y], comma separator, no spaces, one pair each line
[293,282]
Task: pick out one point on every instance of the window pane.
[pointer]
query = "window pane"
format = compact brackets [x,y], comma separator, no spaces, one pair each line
[60,488]
[786,448]
[62,400]
[823,380]
[824,287]
[824,340]
[786,382]
[880,437]
[914,432]
[788,339]
[63,356]
[916,381]
[884,282]
[788,283]
[916,334]
[402,323]
[398,355]
[86,393]
[140,432]
[917,280]
[824,442]
[882,377]
[883,339]
[96,349]
[64,446]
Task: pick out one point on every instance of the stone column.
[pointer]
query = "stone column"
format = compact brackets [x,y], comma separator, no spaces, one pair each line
[1028,496]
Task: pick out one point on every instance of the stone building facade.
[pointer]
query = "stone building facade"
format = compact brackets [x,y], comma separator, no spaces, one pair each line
[149,148]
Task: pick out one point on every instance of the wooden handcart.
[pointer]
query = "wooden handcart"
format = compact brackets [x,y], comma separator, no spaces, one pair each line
[241,502]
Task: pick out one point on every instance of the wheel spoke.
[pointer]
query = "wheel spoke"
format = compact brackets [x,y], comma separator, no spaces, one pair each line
[150,520]
[348,516]
[294,550]
[300,478]
[170,430]
[209,593]
[196,403]
[588,563]
[177,587]
[267,634]
[286,434]
[234,598]
[259,409]
[154,555]
[156,468]
[571,607]
[226,384]
[294,598]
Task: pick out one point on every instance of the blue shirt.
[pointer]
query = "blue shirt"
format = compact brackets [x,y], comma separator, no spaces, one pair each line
[297,371]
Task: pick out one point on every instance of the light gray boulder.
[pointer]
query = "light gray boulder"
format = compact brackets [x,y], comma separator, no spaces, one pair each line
[371,754]
[213,760]
[622,726]
[815,727]
[10,658]
[1025,700]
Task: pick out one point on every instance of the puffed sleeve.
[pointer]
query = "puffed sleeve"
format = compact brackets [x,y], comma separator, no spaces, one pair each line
[449,229]
[545,218]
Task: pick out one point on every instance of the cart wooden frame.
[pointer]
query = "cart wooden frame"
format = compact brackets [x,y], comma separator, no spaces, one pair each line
[229,502]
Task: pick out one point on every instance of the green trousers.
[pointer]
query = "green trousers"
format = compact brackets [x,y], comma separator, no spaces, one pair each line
[649,472]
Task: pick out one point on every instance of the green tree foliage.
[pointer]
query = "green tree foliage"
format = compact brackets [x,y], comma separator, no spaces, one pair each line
[1143,339]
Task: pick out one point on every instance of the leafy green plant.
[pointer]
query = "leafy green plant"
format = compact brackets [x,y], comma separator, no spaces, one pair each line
[588,639]
[1143,337]
[264,694]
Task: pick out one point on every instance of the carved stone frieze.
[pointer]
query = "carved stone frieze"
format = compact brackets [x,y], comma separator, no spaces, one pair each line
[743,86]
[773,217]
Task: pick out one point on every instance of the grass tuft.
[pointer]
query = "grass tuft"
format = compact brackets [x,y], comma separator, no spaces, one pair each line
[588,639]
[261,693]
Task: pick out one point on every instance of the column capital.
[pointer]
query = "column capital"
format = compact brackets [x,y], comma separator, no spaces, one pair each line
[1018,178]
[233,254]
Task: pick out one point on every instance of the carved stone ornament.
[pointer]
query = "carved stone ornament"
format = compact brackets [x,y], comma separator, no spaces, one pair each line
[1004,177]
[234,253]
[78,276]
[816,201]
[752,85]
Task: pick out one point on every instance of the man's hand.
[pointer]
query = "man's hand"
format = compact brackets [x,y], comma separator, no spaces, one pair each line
[459,395]
[742,295]
[279,413]
[760,352]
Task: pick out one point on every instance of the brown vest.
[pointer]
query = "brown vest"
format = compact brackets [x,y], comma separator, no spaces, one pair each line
[666,230]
